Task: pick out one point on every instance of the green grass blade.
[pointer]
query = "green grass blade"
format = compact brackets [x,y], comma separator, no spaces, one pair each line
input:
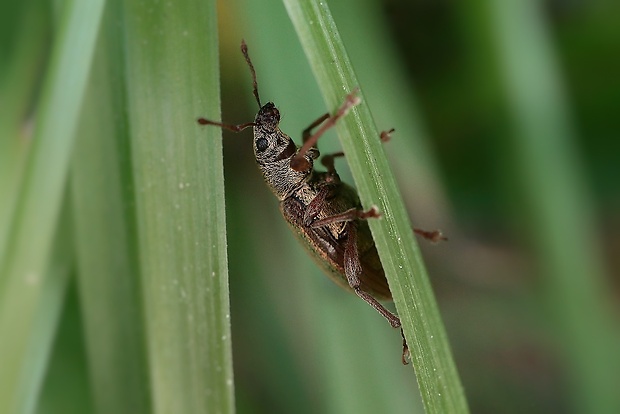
[107,250]
[17,84]
[46,315]
[36,215]
[437,377]
[67,388]
[172,78]
[559,216]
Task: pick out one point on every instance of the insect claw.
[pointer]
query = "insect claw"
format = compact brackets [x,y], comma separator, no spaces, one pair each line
[406,354]
[386,135]
[373,212]
[350,101]
[434,236]
[355,100]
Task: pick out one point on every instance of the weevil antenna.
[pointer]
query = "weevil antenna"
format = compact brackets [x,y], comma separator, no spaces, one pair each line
[244,50]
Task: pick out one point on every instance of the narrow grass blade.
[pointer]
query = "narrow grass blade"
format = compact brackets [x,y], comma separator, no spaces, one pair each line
[44,322]
[389,93]
[172,78]
[18,82]
[107,251]
[437,377]
[66,388]
[36,215]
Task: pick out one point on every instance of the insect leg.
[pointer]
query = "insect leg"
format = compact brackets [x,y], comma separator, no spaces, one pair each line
[353,270]
[328,159]
[316,206]
[298,162]
[348,215]
[308,131]
[386,135]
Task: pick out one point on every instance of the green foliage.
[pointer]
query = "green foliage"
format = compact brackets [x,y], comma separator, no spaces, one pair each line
[115,251]
[146,201]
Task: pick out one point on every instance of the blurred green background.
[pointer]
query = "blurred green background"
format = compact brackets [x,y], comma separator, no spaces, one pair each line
[506,118]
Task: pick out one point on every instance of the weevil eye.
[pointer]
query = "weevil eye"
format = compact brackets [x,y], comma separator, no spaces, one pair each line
[261,144]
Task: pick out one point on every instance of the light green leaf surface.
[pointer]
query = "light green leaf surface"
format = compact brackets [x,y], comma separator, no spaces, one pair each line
[172,77]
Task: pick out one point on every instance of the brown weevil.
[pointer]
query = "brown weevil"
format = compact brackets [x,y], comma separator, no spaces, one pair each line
[324,213]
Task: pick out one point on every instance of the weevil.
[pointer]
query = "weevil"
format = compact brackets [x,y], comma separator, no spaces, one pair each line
[324,213]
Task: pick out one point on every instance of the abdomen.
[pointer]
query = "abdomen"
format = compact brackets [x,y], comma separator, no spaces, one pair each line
[327,249]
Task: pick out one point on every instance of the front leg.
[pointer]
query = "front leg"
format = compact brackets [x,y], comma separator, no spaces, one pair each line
[298,163]
[307,133]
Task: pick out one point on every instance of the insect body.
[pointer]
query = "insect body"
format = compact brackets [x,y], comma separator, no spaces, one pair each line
[324,213]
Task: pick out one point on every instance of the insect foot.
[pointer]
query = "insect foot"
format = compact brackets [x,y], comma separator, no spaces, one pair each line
[434,236]
[406,354]
[386,135]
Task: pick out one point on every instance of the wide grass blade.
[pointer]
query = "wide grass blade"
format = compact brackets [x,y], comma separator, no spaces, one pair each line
[172,77]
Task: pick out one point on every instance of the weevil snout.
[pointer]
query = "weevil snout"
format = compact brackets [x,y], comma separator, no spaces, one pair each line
[268,116]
